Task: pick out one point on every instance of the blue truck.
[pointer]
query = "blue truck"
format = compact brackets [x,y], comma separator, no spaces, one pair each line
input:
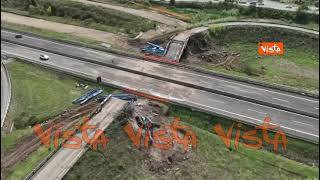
[153,49]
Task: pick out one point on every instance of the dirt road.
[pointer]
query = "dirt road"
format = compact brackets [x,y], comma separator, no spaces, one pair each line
[93,34]
[138,12]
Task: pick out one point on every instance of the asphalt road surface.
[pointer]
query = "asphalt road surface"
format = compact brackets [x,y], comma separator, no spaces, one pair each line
[251,113]
[5,93]
[63,160]
[240,90]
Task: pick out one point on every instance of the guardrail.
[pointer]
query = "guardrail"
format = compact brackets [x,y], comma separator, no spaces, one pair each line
[179,65]
[184,83]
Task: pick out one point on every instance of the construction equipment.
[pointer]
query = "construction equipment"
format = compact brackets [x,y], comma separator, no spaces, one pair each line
[146,124]
[153,49]
[87,96]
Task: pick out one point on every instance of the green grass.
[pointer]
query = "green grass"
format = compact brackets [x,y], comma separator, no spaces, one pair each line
[296,149]
[39,94]
[211,160]
[211,11]
[204,15]
[8,140]
[21,170]
[296,68]
[79,14]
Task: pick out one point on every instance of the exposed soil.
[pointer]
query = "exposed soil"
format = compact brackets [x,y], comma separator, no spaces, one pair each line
[159,160]
[200,50]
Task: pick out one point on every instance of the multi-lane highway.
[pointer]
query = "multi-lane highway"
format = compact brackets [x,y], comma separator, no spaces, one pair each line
[243,91]
[294,124]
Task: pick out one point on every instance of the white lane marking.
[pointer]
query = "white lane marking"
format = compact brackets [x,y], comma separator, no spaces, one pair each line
[285,127]
[256,111]
[295,130]
[280,99]
[236,83]
[303,123]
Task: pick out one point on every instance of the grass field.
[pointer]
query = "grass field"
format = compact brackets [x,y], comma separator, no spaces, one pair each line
[8,140]
[211,160]
[205,12]
[296,149]
[298,67]
[39,94]
[21,170]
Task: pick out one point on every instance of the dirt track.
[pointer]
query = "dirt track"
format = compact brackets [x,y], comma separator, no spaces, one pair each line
[97,35]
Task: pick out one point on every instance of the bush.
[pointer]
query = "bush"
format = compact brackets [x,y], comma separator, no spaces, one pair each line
[231,12]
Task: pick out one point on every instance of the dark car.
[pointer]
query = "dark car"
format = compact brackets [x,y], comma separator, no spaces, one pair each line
[18,36]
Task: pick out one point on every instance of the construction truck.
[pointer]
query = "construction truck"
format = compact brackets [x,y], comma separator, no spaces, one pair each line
[153,49]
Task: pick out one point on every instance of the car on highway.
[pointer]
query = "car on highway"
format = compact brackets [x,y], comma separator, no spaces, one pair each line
[18,36]
[289,7]
[44,57]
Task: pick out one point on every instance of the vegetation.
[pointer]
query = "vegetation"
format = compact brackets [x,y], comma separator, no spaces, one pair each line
[298,150]
[21,170]
[39,94]
[80,14]
[205,12]
[298,67]
[211,160]
[9,140]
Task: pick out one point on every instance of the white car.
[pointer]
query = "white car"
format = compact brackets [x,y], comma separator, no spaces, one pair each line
[44,57]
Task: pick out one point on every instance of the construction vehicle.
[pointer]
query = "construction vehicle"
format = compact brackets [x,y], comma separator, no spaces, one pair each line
[87,96]
[146,124]
[153,49]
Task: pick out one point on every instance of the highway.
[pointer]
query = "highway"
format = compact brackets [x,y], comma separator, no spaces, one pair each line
[5,93]
[293,124]
[240,90]
[63,160]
